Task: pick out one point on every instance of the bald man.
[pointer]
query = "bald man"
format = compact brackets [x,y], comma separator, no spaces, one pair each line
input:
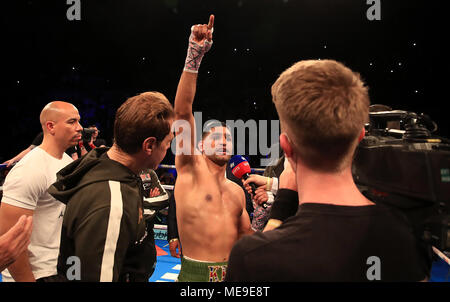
[25,193]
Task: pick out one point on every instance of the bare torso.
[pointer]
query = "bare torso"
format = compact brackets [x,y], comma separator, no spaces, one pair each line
[209,212]
[210,209]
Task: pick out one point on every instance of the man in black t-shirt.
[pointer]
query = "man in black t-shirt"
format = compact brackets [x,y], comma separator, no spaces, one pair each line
[337,233]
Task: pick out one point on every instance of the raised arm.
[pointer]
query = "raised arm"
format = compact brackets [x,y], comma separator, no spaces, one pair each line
[200,41]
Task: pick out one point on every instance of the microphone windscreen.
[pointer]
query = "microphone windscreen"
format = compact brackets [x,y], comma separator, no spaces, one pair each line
[239,166]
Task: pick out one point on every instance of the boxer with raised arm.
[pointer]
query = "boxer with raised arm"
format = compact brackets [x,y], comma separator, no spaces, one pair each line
[211,212]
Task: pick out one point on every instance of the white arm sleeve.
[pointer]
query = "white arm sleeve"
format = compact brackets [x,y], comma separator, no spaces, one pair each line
[23,187]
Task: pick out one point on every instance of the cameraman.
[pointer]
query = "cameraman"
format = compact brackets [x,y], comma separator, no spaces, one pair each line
[337,234]
[89,141]
[98,142]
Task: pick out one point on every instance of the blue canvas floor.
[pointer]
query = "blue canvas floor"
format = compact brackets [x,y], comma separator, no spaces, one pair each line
[168,267]
[440,271]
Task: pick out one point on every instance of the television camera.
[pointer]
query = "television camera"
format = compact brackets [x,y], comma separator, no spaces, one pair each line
[401,164]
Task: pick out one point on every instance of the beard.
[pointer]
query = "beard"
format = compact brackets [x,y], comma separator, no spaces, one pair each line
[220,160]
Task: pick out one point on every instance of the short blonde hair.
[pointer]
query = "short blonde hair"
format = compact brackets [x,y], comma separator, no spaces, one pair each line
[323,106]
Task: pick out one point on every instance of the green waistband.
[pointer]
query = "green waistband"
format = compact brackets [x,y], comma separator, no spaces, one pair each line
[197,271]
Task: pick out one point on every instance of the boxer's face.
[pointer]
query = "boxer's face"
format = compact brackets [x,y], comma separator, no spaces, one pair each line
[218,145]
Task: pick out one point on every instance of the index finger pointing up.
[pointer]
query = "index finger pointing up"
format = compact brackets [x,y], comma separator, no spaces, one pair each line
[211,22]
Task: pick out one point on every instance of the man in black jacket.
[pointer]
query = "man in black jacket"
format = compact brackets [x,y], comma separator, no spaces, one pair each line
[104,224]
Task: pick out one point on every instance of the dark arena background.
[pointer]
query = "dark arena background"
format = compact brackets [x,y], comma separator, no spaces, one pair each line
[115,49]
[121,48]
